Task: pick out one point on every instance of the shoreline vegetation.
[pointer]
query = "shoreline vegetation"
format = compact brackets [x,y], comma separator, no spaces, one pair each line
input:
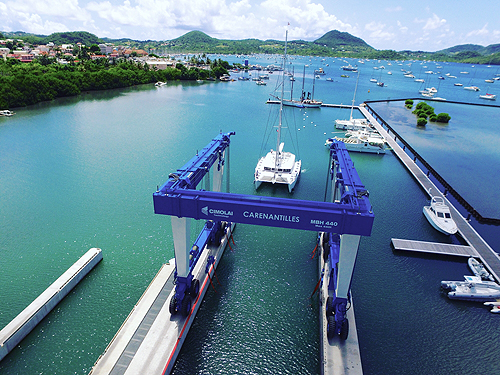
[23,84]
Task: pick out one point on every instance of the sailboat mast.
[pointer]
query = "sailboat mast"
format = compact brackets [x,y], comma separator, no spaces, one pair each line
[277,158]
[354,97]
[303,81]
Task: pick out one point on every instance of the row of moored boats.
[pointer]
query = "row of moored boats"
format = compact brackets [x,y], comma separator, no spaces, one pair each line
[479,288]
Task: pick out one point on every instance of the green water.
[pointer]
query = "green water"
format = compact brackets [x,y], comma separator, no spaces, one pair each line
[80,173]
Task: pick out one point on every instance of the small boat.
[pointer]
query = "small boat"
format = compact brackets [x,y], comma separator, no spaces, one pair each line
[419,80]
[381,84]
[439,216]
[199,81]
[489,81]
[350,68]
[160,83]
[488,96]
[374,80]
[319,71]
[479,270]
[409,75]
[471,88]
[6,112]
[329,79]
[458,84]
[260,82]
[361,143]
[495,307]
[472,289]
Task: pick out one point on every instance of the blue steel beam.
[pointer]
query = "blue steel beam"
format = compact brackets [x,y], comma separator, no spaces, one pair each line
[274,212]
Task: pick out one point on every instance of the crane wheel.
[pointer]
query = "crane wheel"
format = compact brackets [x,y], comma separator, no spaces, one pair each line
[172,307]
[344,330]
[330,327]
[186,306]
[195,288]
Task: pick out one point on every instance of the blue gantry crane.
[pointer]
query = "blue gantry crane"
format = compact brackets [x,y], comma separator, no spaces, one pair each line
[342,220]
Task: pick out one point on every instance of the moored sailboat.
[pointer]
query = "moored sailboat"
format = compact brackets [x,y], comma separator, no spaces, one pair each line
[278,167]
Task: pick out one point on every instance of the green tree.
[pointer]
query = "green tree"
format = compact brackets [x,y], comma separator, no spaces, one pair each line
[443,117]
[421,121]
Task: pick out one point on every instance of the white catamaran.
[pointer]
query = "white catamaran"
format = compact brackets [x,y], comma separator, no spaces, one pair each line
[278,167]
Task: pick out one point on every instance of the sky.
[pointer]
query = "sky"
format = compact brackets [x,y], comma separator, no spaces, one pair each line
[383,24]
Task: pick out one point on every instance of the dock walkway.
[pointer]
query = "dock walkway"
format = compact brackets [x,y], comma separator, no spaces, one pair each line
[489,258]
[12,334]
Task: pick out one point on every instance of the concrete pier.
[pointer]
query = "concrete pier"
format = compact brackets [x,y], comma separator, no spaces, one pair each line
[22,324]
[150,339]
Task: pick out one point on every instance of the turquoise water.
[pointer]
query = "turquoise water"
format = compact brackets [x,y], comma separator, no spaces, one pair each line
[80,173]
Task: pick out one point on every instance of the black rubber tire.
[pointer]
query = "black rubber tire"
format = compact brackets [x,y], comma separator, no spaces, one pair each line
[195,288]
[172,306]
[344,331]
[185,306]
[329,308]
[330,327]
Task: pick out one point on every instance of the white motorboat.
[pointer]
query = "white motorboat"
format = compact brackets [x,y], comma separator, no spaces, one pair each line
[438,214]
[278,167]
[479,270]
[488,96]
[471,88]
[372,145]
[352,124]
[160,83]
[6,112]
[472,289]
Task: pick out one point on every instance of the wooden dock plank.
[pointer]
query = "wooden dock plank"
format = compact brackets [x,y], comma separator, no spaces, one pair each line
[433,247]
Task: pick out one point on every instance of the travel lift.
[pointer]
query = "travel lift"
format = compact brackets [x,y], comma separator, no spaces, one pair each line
[343,220]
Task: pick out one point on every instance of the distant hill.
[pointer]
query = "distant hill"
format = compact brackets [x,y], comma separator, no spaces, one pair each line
[195,37]
[492,48]
[333,43]
[334,39]
[70,37]
[73,37]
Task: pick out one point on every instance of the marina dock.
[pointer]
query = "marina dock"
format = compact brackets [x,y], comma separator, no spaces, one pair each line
[150,339]
[434,248]
[24,323]
[488,257]
[348,106]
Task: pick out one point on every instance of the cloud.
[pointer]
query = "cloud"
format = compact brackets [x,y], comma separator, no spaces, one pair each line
[222,19]
[377,31]
[432,23]
[66,9]
[394,9]
[481,32]
[402,28]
